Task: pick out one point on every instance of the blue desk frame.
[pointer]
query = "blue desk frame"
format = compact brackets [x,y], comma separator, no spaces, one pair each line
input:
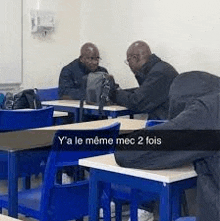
[170,197]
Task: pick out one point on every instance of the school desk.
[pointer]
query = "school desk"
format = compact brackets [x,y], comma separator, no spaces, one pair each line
[28,150]
[73,106]
[166,183]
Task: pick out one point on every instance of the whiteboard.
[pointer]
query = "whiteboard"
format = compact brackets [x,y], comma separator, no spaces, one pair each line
[10,42]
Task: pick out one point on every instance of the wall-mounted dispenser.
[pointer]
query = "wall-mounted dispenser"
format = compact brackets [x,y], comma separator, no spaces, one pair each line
[42,22]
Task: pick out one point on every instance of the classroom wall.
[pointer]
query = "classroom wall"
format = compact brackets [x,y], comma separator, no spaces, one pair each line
[10,42]
[184,33]
[45,56]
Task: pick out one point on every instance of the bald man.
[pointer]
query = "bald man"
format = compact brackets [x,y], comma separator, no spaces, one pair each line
[154,77]
[71,76]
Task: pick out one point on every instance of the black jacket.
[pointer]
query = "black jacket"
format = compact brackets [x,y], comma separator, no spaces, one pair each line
[190,136]
[71,79]
[151,96]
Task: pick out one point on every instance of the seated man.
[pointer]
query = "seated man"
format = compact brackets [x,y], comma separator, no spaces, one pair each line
[71,76]
[154,77]
[190,136]
[71,81]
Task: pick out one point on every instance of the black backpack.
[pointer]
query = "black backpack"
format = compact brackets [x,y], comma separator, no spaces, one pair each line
[22,100]
[98,87]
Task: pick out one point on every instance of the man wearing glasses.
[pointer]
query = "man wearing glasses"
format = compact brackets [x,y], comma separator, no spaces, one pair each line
[154,77]
[71,76]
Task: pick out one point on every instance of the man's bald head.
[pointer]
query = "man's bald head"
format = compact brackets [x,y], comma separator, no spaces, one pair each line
[89,55]
[88,48]
[139,48]
[138,54]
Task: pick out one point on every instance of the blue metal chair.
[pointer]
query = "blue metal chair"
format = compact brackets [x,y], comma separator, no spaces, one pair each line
[2,98]
[150,123]
[59,202]
[48,94]
[189,218]
[14,120]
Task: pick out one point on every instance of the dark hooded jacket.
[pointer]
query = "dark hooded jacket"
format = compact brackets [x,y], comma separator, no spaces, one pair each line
[154,79]
[190,136]
[71,83]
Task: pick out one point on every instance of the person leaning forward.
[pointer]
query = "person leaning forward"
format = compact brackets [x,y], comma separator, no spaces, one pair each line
[71,76]
[154,77]
[190,136]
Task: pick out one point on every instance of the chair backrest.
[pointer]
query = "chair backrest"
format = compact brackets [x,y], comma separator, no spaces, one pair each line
[70,201]
[150,123]
[11,120]
[48,94]
[2,98]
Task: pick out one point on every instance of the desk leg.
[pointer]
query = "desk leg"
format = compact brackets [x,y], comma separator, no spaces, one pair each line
[12,185]
[131,116]
[176,204]
[134,205]
[165,203]
[26,182]
[93,196]
[77,116]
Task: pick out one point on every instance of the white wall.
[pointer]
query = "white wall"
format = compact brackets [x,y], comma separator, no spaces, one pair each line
[45,56]
[109,25]
[184,33]
[10,41]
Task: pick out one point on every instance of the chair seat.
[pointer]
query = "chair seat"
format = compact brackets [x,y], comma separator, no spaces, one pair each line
[74,199]
[28,200]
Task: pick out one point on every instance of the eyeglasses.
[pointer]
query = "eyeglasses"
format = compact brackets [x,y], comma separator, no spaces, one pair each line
[90,59]
[129,58]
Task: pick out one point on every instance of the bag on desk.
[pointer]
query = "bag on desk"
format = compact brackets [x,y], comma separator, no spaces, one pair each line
[98,87]
[27,99]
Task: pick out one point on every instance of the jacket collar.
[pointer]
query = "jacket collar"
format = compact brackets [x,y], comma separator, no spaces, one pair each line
[153,59]
[141,75]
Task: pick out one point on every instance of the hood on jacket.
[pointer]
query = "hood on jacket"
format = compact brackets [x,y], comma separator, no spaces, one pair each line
[188,86]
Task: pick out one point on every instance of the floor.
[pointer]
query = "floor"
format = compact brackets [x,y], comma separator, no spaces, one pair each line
[37,180]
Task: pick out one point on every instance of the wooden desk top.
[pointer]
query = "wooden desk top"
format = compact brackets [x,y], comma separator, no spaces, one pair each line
[108,163]
[7,218]
[126,124]
[41,137]
[76,103]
